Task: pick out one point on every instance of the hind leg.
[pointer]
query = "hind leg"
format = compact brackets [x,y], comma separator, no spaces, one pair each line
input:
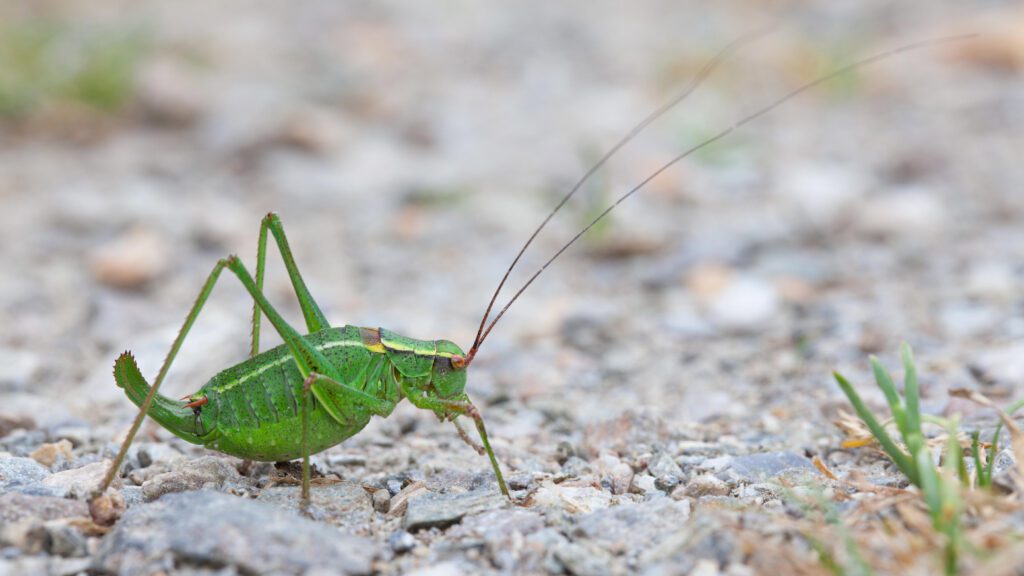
[315,319]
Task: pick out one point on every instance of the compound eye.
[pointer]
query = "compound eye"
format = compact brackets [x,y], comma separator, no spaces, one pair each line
[458,362]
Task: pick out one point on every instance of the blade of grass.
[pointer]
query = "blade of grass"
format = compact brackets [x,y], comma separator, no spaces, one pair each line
[900,458]
[1016,435]
[884,381]
[999,429]
[930,485]
[952,502]
[979,470]
[911,392]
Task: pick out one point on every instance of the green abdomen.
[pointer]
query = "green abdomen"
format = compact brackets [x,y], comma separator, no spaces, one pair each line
[254,408]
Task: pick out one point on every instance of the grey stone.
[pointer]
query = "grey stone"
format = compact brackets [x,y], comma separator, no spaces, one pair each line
[667,483]
[15,507]
[631,528]
[502,533]
[132,495]
[706,485]
[43,565]
[149,453]
[194,474]
[666,472]
[563,452]
[344,504]
[704,537]
[381,500]
[615,474]
[582,560]
[59,539]
[394,485]
[755,467]
[662,464]
[520,480]
[576,467]
[401,542]
[76,482]
[230,532]
[1004,471]
[430,509]
[760,492]
[645,484]
[16,472]
[571,499]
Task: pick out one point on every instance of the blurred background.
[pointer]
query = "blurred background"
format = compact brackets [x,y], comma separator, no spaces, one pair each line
[410,148]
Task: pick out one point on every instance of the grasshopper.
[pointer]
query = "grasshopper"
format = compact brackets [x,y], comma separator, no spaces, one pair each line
[320,388]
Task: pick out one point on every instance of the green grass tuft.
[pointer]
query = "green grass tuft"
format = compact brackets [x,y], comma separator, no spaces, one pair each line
[45,62]
[940,487]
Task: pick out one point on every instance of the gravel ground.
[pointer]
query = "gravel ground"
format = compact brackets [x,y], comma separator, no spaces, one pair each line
[656,398]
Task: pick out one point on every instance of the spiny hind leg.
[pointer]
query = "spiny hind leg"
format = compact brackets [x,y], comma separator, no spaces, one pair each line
[147,403]
[305,355]
[315,319]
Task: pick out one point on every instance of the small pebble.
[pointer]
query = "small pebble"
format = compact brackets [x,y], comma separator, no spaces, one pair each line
[50,454]
[107,508]
[429,510]
[80,482]
[704,485]
[381,500]
[130,260]
[401,541]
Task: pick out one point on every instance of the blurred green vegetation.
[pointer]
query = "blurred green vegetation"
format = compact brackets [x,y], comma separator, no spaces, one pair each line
[45,62]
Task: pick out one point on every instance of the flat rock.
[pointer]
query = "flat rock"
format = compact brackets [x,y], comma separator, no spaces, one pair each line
[571,499]
[632,528]
[233,534]
[16,472]
[502,533]
[755,467]
[705,485]
[191,474]
[77,482]
[431,510]
[345,504]
[15,506]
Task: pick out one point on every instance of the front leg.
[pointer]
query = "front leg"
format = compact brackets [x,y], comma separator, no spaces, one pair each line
[453,409]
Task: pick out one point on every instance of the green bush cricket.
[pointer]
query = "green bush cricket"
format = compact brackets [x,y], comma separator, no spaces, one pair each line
[320,388]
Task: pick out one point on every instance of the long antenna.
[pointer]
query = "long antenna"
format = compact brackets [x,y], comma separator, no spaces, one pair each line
[697,80]
[793,93]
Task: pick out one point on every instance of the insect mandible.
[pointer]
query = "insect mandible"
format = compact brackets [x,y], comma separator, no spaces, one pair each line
[319,388]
